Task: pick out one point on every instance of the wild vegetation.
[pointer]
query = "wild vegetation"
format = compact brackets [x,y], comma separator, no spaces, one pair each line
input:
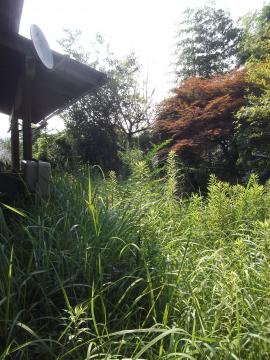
[131,270]
[217,117]
[168,257]
[115,115]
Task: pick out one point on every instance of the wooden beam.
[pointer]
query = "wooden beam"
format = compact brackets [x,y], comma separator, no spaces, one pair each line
[16,42]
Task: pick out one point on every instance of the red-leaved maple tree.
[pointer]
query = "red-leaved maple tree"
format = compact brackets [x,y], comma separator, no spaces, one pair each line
[199,117]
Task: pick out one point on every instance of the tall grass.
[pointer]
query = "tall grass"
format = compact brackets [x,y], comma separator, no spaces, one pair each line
[132,270]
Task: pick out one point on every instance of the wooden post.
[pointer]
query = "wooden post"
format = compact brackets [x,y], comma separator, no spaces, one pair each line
[15,144]
[27,108]
[27,139]
[14,129]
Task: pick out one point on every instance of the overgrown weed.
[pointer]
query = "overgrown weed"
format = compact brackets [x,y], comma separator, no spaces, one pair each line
[127,270]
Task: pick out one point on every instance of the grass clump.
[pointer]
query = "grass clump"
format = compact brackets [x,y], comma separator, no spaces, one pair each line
[132,270]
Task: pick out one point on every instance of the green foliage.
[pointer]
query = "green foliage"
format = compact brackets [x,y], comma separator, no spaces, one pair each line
[252,122]
[255,38]
[126,270]
[54,147]
[105,121]
[207,43]
[171,170]
[5,153]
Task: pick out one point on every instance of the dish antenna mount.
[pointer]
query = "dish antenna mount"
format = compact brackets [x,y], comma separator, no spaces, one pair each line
[41,46]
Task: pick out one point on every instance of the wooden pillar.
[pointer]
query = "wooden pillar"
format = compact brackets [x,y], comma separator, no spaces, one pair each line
[14,128]
[27,139]
[15,144]
[27,108]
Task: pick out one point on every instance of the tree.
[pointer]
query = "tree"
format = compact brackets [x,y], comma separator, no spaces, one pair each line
[5,153]
[54,147]
[103,122]
[255,37]
[207,43]
[199,119]
[253,125]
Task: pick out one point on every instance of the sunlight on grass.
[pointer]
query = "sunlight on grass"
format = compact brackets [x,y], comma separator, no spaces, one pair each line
[133,270]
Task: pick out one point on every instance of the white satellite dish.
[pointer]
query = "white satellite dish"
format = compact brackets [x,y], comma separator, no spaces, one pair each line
[41,46]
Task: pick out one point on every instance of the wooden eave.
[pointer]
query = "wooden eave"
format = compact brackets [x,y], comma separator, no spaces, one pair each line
[51,90]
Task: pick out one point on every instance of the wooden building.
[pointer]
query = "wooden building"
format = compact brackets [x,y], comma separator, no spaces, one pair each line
[30,92]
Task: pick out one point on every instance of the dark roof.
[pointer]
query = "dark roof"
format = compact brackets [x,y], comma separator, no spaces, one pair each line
[51,90]
[10,14]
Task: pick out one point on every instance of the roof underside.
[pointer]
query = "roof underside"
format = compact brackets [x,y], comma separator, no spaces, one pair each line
[10,14]
[50,90]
